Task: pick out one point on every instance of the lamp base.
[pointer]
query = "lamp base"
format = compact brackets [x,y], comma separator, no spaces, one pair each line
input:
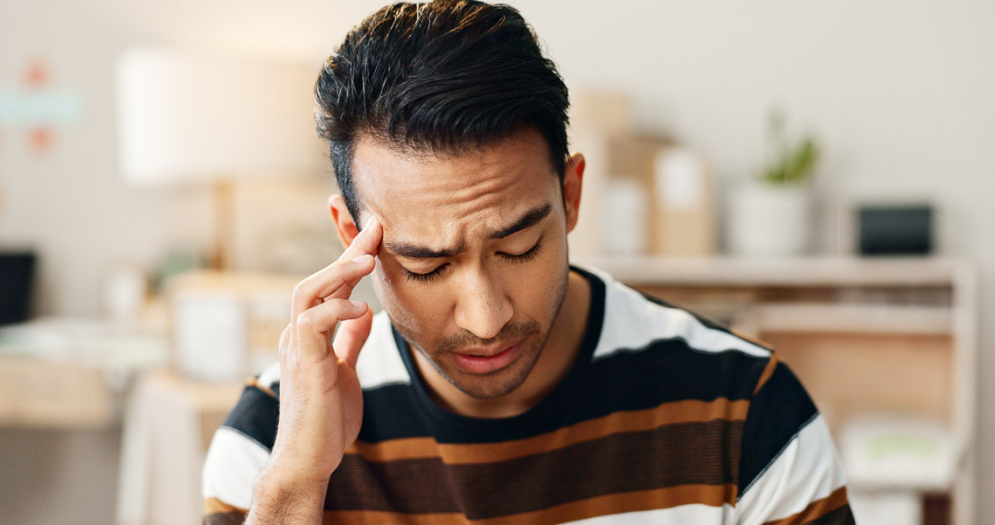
[224,212]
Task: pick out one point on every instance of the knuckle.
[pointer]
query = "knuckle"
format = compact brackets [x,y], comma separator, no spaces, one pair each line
[306,321]
[301,291]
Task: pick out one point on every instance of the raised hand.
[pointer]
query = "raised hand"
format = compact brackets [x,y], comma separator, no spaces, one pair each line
[321,404]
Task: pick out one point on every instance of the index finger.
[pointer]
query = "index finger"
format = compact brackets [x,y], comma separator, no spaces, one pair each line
[337,280]
[366,242]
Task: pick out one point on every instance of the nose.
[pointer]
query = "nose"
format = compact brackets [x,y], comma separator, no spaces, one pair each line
[482,306]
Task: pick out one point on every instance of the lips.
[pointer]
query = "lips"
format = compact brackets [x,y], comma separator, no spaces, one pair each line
[485,360]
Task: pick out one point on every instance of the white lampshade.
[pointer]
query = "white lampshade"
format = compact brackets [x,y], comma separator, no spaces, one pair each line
[185,118]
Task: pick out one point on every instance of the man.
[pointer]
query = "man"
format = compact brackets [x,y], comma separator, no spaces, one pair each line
[500,384]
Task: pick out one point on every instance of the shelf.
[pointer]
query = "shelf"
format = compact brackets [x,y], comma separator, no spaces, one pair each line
[801,271]
[847,318]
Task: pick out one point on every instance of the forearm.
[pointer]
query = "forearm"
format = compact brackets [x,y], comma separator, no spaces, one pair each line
[281,499]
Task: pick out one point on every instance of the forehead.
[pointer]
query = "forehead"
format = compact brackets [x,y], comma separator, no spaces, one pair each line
[446,198]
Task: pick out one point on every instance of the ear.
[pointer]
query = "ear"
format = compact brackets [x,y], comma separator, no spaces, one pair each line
[573,179]
[344,224]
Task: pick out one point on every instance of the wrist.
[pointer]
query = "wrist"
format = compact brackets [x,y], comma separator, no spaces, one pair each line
[279,483]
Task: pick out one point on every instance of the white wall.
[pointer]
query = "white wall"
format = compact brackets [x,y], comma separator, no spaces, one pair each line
[900,92]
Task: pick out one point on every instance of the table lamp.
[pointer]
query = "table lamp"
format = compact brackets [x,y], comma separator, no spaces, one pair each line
[190,119]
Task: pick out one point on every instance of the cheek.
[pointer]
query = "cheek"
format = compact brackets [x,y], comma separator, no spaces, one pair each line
[535,286]
[417,309]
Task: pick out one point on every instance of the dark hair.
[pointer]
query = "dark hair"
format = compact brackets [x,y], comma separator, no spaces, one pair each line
[441,77]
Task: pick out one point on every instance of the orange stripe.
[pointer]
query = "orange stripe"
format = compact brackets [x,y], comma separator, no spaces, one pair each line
[816,509]
[765,375]
[711,495]
[216,506]
[688,411]
[255,382]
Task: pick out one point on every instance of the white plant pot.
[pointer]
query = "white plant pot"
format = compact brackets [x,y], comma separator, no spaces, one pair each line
[767,220]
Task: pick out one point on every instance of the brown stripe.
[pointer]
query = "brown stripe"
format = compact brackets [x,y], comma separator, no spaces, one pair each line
[255,382]
[225,518]
[765,375]
[698,453]
[840,516]
[816,509]
[761,344]
[631,421]
[664,498]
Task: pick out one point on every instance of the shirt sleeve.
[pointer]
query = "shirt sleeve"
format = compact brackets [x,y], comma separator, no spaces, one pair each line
[239,451]
[789,468]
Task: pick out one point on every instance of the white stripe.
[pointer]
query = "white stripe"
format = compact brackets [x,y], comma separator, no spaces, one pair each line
[232,465]
[632,322]
[270,376]
[682,515]
[380,360]
[807,470]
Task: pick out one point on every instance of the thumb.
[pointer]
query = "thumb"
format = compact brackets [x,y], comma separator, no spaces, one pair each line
[351,336]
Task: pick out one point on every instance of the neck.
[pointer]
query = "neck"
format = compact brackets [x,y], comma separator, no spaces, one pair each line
[559,353]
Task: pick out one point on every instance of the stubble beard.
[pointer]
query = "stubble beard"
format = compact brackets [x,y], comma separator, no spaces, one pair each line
[499,382]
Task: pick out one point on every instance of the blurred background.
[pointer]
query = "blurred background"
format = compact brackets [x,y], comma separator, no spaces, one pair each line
[817,175]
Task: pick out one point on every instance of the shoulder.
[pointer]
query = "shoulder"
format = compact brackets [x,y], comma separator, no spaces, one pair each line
[788,464]
[677,349]
[789,467]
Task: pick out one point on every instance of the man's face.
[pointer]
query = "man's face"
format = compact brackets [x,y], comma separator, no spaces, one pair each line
[473,266]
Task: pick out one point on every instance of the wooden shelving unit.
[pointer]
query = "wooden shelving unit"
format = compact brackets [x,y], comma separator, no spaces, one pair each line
[864,335]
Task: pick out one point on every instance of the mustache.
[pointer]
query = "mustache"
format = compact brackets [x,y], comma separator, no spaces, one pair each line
[466,339]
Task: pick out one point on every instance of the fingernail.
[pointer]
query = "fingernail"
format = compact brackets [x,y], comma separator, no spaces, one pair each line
[362,258]
[358,305]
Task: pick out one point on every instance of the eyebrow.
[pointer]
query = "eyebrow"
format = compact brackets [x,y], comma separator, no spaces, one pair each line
[531,218]
[414,251]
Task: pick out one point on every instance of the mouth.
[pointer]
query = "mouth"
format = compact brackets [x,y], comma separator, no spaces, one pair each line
[489,359]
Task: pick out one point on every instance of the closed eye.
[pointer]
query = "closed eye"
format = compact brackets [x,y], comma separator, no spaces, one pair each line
[424,277]
[518,258]
[523,257]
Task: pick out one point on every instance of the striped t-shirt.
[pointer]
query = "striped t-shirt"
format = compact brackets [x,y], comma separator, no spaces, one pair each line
[664,418]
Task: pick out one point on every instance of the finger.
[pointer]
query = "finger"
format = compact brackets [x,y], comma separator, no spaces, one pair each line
[368,240]
[316,288]
[368,244]
[328,281]
[344,290]
[351,337]
[314,327]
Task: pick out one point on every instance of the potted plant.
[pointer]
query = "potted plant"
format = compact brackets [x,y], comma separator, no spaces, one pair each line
[771,215]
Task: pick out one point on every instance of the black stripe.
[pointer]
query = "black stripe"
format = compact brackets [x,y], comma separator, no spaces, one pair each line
[840,516]
[670,370]
[777,413]
[391,412]
[255,415]
[664,371]
[667,456]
